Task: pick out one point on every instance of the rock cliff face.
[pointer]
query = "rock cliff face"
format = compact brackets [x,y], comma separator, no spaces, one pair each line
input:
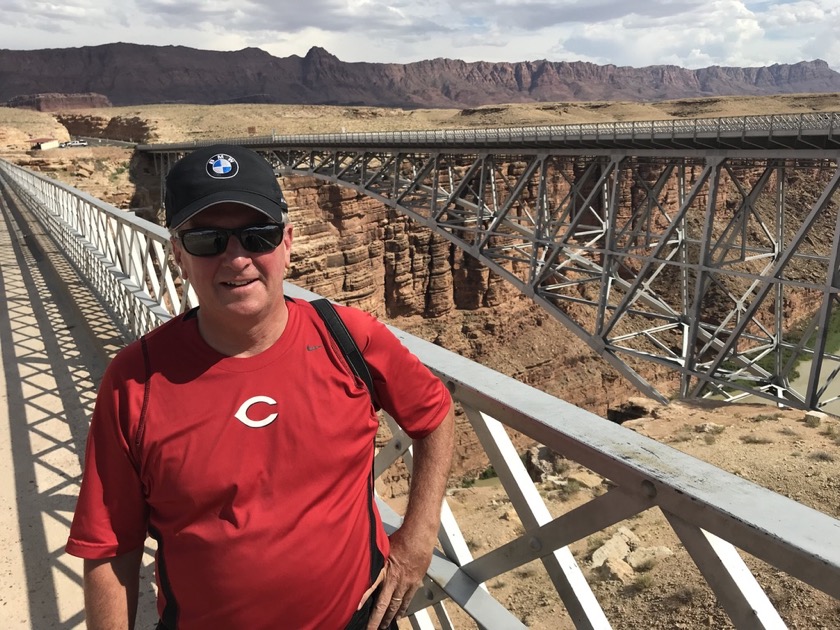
[127,129]
[356,250]
[58,102]
[129,74]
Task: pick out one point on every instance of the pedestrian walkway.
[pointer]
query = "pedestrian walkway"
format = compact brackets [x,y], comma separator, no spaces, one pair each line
[55,341]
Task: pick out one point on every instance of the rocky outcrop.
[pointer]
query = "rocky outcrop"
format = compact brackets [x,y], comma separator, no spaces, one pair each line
[59,102]
[127,129]
[622,556]
[133,74]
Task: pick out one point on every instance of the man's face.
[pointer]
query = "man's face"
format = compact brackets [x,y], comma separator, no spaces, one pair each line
[237,286]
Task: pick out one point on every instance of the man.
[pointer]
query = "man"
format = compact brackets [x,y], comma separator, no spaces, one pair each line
[238,437]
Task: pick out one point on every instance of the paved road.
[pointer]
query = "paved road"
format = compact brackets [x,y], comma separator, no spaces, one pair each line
[55,341]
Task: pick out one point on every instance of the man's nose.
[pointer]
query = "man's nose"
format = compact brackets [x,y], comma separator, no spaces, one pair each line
[235,250]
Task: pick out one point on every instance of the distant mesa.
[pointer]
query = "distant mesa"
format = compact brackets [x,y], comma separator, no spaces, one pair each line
[133,74]
[246,98]
[54,102]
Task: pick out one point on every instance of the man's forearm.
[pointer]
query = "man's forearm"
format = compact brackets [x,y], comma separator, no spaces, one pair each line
[412,544]
[111,589]
[432,462]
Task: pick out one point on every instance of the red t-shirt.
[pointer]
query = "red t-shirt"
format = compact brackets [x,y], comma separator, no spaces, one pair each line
[251,473]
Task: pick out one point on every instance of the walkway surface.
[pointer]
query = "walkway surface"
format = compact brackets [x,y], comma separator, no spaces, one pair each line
[55,341]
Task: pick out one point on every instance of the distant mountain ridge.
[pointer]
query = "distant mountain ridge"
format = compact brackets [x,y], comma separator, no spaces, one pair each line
[134,74]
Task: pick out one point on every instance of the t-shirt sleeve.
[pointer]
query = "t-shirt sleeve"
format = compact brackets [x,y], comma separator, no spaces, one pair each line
[406,388]
[111,516]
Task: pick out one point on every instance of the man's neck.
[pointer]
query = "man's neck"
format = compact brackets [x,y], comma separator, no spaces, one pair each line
[245,337]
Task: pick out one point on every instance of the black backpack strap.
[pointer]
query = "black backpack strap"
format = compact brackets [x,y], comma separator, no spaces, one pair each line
[346,343]
[357,362]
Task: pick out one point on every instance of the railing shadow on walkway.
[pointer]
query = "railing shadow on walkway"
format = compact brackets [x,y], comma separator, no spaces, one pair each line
[714,514]
[55,340]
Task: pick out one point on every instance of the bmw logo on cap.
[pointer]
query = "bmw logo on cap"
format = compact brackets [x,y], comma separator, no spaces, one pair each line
[222,166]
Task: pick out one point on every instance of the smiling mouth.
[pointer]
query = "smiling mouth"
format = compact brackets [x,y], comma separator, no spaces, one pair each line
[238,283]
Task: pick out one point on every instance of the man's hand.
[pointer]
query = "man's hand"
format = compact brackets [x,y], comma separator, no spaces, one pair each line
[406,567]
[369,593]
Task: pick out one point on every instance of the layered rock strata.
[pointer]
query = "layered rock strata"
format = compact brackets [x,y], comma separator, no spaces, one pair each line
[54,102]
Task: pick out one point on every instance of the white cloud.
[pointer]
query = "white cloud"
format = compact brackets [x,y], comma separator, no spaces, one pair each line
[47,17]
[807,29]
[688,33]
[795,14]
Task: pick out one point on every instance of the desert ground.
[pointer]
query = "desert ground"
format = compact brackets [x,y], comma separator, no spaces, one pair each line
[775,448]
[175,123]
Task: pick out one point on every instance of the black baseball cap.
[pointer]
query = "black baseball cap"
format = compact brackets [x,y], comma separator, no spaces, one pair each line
[218,174]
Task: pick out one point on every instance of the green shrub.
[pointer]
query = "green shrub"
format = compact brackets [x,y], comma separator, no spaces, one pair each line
[751,438]
[642,583]
[762,417]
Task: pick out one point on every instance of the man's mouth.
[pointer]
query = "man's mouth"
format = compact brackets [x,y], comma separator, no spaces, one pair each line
[237,283]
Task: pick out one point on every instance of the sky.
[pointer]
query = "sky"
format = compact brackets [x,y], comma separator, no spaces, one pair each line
[687,33]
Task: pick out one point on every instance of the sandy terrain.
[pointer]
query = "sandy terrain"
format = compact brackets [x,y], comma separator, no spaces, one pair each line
[172,123]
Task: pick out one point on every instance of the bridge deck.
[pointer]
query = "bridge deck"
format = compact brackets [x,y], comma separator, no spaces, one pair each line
[55,341]
[741,135]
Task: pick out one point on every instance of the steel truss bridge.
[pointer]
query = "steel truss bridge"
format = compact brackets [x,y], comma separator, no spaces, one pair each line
[708,246]
[716,517]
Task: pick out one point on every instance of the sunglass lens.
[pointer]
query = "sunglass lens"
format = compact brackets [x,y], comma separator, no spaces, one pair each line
[261,238]
[256,239]
[205,242]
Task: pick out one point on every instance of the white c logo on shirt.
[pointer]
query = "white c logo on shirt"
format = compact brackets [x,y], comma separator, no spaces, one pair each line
[242,414]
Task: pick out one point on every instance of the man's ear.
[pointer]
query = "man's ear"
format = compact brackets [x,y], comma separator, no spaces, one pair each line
[287,242]
[177,252]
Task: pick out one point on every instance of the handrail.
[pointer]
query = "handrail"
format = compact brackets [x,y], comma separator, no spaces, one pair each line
[714,513]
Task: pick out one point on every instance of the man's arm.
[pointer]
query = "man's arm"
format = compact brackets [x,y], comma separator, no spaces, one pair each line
[412,544]
[111,590]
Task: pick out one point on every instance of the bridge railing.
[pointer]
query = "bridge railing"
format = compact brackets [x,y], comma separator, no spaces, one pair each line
[125,259]
[713,513]
[788,125]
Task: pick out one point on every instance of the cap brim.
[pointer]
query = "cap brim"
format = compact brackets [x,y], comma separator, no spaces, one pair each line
[258,202]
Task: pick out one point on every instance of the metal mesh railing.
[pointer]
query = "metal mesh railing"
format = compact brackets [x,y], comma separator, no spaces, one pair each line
[125,259]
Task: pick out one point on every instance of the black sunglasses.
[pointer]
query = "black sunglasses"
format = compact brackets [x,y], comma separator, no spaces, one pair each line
[256,239]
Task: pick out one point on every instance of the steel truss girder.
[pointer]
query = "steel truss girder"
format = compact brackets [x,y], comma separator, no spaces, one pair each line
[663,259]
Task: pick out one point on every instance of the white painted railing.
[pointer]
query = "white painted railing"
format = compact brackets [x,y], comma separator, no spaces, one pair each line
[715,514]
[126,259]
